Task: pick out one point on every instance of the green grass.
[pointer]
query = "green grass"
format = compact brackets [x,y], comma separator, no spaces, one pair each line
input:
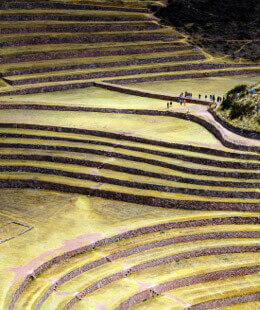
[240,110]
[204,86]
[30,49]
[86,60]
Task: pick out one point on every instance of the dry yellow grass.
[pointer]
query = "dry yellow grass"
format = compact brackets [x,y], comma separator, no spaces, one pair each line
[63,222]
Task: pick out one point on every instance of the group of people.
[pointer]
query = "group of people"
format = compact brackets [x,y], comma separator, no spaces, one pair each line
[188,95]
[169,104]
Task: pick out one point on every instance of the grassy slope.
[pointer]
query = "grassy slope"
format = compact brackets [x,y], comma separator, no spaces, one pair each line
[62,221]
[240,110]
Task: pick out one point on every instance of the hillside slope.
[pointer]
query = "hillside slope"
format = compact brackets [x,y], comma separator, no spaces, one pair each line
[228,27]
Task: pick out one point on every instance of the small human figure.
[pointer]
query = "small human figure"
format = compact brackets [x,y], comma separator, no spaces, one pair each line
[191,95]
[206,97]
[256,108]
[170,103]
[167,105]
[213,98]
[199,96]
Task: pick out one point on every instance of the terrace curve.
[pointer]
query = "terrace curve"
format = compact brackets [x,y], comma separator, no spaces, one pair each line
[236,221]
[126,167]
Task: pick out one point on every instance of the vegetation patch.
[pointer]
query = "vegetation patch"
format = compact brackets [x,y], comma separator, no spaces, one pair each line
[241,107]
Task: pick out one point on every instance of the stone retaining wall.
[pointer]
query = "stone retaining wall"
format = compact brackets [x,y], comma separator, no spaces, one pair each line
[206,172]
[130,198]
[125,72]
[235,220]
[106,64]
[182,76]
[124,183]
[188,158]
[130,50]
[217,303]
[186,116]
[83,39]
[15,17]
[65,6]
[177,283]
[156,262]
[134,171]
[112,135]
[143,93]
[82,28]
[251,134]
[46,89]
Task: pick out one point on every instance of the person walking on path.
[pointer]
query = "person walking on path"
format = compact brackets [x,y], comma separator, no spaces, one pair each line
[167,105]
[199,96]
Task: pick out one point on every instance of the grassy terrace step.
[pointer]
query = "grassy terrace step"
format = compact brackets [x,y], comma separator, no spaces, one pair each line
[134,47]
[125,37]
[81,269]
[121,193]
[3,83]
[102,166]
[73,268]
[85,280]
[134,233]
[74,12]
[75,84]
[80,27]
[238,303]
[49,5]
[134,70]
[178,166]
[70,17]
[181,152]
[206,293]
[177,277]
[220,289]
[122,179]
[135,153]
[103,63]
[222,294]
[181,282]
[120,140]
[114,117]
[13,25]
[61,131]
[135,119]
[244,300]
[12,57]
[106,32]
[192,75]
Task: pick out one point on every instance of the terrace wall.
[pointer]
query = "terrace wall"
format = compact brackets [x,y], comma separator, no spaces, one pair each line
[251,134]
[175,47]
[126,72]
[129,234]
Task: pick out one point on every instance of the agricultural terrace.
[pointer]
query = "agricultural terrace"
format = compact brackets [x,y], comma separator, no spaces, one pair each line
[109,198]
